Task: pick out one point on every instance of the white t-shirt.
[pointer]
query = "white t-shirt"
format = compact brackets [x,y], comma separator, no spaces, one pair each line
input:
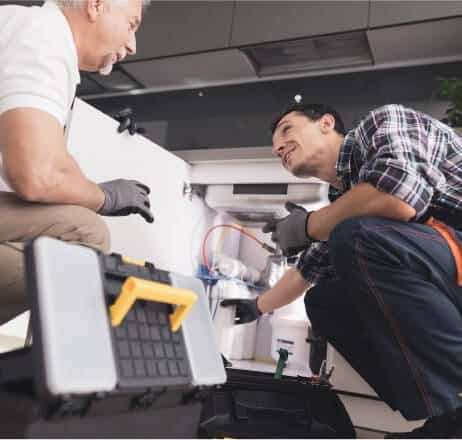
[38,62]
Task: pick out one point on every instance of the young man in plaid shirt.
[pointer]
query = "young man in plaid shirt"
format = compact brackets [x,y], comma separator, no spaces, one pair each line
[383,261]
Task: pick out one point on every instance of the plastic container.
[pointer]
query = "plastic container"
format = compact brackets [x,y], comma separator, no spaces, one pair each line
[294,310]
[234,341]
[233,268]
[290,332]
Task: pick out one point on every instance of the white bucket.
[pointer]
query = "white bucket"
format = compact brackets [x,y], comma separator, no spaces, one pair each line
[293,310]
[290,332]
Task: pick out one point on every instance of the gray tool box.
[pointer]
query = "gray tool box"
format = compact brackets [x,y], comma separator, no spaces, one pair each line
[119,348]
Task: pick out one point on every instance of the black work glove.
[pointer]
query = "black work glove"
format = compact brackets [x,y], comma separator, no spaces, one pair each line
[246,309]
[290,232]
[125,197]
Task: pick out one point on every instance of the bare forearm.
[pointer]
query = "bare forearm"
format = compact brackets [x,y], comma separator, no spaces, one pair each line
[64,183]
[37,164]
[285,291]
[73,187]
[362,200]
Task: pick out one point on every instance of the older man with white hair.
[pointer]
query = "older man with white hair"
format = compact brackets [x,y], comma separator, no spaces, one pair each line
[42,189]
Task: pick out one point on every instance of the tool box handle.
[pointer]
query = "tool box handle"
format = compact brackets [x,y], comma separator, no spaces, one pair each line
[139,289]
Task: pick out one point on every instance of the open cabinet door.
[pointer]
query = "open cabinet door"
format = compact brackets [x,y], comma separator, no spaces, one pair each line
[104,154]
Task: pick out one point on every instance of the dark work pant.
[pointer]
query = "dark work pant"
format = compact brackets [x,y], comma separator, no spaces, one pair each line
[394,312]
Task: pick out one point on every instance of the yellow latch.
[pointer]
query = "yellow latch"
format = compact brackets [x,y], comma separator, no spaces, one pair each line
[128,260]
[137,288]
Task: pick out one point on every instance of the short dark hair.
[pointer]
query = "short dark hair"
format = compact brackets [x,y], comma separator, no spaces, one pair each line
[313,112]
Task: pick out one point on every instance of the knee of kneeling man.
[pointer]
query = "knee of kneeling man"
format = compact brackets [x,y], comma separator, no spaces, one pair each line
[313,308]
[310,303]
[100,234]
[343,235]
[88,228]
[315,297]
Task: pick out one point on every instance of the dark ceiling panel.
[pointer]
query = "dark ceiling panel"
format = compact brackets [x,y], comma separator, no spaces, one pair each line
[386,12]
[174,27]
[193,70]
[263,21]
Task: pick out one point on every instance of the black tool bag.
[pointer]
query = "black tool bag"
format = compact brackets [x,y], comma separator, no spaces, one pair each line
[255,405]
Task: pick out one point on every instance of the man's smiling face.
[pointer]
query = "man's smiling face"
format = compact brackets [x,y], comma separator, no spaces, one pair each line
[112,26]
[298,142]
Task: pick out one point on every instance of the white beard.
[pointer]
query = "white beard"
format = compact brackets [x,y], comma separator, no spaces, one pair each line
[106,70]
[107,66]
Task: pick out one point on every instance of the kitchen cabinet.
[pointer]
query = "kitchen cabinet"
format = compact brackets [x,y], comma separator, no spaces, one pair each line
[262,21]
[385,12]
[178,27]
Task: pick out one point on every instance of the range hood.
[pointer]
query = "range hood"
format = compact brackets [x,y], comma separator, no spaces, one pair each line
[250,185]
[428,42]
[263,202]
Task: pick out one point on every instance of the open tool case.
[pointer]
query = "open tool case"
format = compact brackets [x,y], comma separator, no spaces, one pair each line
[120,349]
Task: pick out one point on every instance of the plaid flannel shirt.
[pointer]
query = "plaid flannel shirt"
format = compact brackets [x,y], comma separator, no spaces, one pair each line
[401,152]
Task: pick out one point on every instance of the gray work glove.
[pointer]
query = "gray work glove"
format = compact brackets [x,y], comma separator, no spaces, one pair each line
[125,197]
[290,232]
[246,309]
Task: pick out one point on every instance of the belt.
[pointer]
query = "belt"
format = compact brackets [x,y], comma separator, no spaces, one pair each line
[452,242]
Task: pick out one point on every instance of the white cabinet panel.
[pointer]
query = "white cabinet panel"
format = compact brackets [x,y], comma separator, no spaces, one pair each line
[104,154]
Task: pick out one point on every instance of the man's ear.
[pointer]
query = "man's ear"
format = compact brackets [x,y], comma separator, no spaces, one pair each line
[95,8]
[327,123]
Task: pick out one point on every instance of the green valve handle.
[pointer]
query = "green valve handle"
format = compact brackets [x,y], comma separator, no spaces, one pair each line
[282,362]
